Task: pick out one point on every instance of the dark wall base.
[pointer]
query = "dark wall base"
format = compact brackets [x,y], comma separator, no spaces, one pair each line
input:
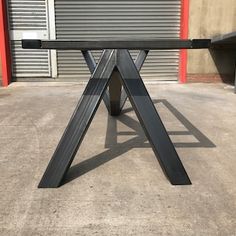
[210,78]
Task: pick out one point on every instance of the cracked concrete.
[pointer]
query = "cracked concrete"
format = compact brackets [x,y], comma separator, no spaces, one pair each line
[115,185]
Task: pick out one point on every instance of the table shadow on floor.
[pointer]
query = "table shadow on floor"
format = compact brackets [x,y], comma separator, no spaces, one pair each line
[138,139]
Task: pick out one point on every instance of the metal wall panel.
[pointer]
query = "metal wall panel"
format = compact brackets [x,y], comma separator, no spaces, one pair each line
[29,62]
[98,19]
[28,18]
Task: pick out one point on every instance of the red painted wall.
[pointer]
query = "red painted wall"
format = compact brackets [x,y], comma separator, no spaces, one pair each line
[0,68]
[4,45]
[184,35]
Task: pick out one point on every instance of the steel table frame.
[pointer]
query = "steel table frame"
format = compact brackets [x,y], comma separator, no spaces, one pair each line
[116,70]
[226,42]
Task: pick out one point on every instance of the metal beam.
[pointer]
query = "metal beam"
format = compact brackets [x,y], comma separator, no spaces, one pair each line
[140,59]
[150,120]
[225,41]
[130,44]
[115,87]
[79,123]
[116,97]
[91,63]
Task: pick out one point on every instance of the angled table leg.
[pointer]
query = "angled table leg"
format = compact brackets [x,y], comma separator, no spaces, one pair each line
[118,95]
[91,63]
[112,96]
[140,59]
[115,87]
[150,120]
[115,103]
[235,79]
[79,123]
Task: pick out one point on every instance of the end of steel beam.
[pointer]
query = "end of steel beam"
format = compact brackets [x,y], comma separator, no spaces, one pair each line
[201,43]
[31,44]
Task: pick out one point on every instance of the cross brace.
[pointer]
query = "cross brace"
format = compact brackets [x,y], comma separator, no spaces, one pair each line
[116,97]
[114,69]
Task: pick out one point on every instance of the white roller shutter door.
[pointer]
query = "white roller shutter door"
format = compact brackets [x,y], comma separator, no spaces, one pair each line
[98,19]
[28,19]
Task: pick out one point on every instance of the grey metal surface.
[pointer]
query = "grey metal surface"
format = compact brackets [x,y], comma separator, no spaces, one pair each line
[134,18]
[30,62]
[27,17]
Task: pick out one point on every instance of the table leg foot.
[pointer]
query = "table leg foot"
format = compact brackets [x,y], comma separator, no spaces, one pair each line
[79,123]
[150,120]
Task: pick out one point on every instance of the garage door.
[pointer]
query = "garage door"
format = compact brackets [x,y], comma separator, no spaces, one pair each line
[28,19]
[98,19]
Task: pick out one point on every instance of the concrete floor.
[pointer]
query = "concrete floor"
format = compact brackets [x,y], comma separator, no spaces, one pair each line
[115,185]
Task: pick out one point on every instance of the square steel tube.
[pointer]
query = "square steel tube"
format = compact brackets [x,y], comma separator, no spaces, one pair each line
[130,44]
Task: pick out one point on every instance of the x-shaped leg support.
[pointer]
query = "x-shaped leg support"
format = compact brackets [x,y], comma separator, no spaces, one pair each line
[115,65]
[114,97]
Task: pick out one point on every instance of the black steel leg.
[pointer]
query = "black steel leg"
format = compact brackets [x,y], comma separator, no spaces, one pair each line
[235,79]
[140,59]
[115,87]
[127,73]
[91,63]
[115,103]
[112,97]
[150,120]
[79,123]
[118,95]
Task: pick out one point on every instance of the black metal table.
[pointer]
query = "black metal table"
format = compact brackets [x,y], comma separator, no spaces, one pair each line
[116,70]
[226,41]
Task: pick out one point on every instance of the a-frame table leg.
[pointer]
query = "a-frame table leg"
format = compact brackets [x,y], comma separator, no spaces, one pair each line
[140,59]
[120,63]
[150,120]
[80,121]
[115,88]
[116,97]
[91,63]
[235,79]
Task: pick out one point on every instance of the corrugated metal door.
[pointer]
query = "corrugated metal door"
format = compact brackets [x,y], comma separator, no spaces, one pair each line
[98,19]
[28,19]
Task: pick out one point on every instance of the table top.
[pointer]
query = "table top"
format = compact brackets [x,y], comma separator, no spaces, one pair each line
[224,41]
[130,44]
